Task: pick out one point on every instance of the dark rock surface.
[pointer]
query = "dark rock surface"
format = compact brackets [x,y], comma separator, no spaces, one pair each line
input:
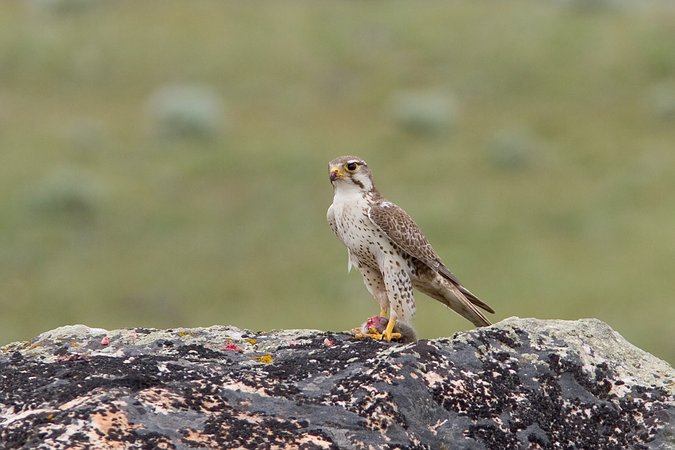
[522,383]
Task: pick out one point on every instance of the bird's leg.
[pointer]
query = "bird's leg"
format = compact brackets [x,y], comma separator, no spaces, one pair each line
[372,333]
[370,328]
[374,328]
[388,333]
[379,320]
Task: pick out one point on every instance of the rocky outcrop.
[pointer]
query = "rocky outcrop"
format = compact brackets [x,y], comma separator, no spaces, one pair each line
[521,383]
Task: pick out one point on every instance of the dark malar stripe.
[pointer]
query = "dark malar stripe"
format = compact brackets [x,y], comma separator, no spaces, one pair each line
[358,183]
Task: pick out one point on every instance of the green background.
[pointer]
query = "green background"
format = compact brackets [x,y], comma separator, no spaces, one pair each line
[534,142]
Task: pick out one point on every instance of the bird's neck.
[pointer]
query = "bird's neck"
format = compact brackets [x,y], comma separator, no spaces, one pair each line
[353,193]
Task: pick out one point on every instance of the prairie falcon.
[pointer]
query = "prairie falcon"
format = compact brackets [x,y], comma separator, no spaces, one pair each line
[390,250]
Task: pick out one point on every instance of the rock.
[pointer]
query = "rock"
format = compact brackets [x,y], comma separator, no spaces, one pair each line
[522,383]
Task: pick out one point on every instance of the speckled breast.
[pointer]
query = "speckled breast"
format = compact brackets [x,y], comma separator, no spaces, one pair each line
[365,241]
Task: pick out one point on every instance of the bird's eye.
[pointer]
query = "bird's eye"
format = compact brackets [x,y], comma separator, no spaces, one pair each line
[351,167]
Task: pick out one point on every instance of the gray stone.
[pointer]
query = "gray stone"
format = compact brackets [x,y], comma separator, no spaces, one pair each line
[522,383]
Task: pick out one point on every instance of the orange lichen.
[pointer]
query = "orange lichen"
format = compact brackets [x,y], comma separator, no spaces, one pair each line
[265,358]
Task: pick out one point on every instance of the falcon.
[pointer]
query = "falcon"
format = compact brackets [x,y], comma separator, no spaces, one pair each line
[391,252]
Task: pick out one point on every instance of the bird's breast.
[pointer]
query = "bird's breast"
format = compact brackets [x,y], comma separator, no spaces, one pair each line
[365,241]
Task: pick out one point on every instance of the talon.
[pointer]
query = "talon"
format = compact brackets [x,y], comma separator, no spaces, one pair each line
[372,334]
[388,333]
[393,337]
[378,328]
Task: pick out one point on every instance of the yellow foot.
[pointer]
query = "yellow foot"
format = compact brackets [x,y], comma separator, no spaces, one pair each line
[388,333]
[391,337]
[377,327]
[372,334]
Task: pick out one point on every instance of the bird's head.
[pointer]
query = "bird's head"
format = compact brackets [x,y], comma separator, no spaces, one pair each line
[350,172]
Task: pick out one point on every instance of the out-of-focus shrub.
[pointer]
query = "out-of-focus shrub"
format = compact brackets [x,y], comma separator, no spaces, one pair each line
[66,191]
[423,112]
[595,6]
[187,111]
[62,6]
[512,148]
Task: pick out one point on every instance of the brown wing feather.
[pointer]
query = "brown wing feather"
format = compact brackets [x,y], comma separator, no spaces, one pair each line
[404,232]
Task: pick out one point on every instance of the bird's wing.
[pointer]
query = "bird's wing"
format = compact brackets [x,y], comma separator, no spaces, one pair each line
[404,232]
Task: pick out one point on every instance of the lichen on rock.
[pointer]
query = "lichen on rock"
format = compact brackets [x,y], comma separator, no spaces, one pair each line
[522,383]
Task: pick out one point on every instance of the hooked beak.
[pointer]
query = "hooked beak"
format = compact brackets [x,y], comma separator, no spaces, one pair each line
[335,174]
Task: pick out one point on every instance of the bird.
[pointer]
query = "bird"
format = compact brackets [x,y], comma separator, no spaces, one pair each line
[391,252]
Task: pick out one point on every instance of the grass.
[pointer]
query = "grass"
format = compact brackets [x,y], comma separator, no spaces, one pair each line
[550,193]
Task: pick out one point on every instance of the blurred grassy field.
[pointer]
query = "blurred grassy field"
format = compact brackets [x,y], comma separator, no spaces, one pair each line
[534,142]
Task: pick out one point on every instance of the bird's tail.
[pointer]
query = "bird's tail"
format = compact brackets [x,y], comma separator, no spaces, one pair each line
[475,300]
[459,299]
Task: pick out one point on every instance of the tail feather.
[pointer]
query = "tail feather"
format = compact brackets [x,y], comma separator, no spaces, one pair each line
[451,295]
[459,302]
[475,300]
[452,278]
